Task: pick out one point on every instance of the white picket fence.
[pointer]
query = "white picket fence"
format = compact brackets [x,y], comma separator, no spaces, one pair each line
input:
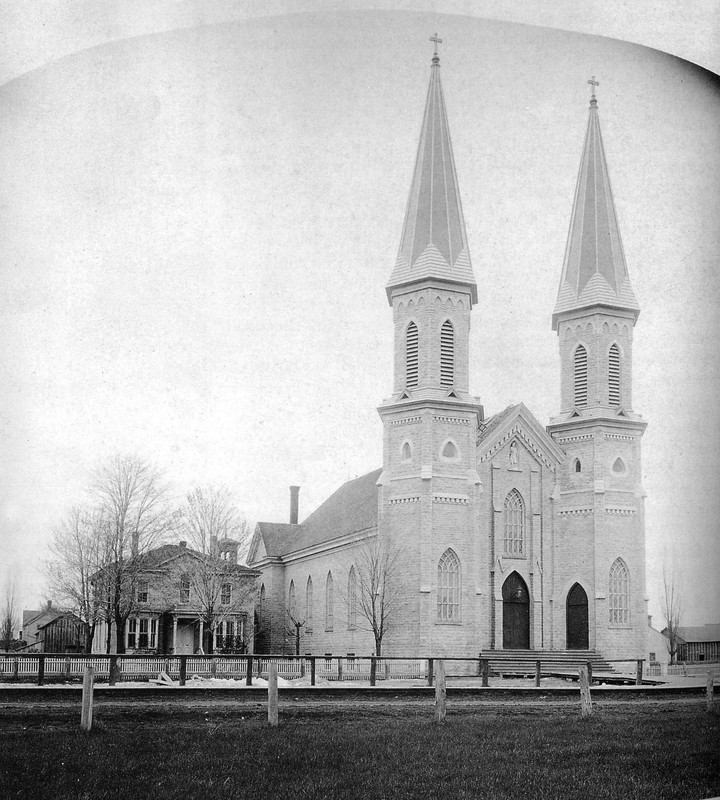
[683,670]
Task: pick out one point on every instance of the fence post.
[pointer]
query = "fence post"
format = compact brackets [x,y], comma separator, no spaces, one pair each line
[639,672]
[67,667]
[16,668]
[585,701]
[440,693]
[213,666]
[41,669]
[710,690]
[113,675]
[484,671]
[272,695]
[312,670]
[373,670]
[87,699]
[183,670]
[339,668]
[430,670]
[248,671]
[537,673]
[590,675]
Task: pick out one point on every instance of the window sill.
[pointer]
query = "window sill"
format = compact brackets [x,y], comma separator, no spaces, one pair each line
[456,623]
[515,556]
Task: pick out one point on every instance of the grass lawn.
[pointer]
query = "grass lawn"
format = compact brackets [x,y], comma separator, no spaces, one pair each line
[624,751]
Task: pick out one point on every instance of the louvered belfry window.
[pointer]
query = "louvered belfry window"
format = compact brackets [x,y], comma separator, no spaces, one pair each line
[614,376]
[411,355]
[447,354]
[581,377]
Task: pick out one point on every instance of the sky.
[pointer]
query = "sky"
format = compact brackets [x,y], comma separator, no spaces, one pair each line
[197,225]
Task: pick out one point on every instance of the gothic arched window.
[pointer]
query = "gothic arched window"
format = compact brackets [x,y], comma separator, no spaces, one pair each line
[309,605]
[448,596]
[447,354]
[292,610]
[411,355]
[581,376]
[614,376]
[619,591]
[329,602]
[352,599]
[514,512]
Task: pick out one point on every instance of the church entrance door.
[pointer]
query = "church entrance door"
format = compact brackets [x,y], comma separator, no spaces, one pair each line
[516,614]
[577,619]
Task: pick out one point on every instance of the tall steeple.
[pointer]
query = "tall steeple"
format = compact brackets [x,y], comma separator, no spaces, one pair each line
[434,243]
[594,272]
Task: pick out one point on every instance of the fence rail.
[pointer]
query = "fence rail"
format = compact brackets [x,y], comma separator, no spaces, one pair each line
[53,668]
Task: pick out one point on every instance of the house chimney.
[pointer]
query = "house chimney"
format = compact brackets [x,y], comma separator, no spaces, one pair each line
[294,491]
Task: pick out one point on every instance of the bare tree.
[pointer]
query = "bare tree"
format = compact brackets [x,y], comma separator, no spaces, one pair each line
[131,503]
[207,517]
[9,620]
[80,552]
[672,609]
[379,590]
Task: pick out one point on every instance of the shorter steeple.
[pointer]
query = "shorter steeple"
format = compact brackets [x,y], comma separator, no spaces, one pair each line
[434,243]
[594,271]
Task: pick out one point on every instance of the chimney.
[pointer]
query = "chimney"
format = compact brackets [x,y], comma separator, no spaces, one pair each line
[294,491]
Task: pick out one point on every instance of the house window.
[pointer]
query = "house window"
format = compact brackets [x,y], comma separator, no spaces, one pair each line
[352,599]
[226,594]
[309,605]
[619,593]
[184,588]
[141,633]
[411,355]
[581,376]
[142,591]
[447,355]
[652,657]
[225,635]
[329,602]
[132,625]
[514,542]
[448,598]
[614,376]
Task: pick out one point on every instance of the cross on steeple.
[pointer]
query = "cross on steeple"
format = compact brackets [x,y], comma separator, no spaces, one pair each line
[593,83]
[434,38]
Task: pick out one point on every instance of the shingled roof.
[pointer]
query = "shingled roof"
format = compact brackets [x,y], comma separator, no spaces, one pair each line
[351,509]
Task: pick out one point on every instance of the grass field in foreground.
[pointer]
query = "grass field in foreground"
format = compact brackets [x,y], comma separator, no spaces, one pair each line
[628,752]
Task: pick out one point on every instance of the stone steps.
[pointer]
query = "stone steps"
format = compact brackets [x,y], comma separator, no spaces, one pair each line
[517,662]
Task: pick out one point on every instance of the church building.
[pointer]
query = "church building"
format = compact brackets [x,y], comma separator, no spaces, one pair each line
[504,534]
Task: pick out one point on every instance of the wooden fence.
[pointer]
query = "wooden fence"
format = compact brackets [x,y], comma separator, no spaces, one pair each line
[43,668]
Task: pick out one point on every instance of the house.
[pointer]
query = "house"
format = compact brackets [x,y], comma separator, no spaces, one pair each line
[184,601]
[699,643]
[52,630]
[512,535]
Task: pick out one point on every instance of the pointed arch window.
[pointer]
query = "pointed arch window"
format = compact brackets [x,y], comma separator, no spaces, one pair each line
[619,591]
[411,355]
[448,596]
[309,605]
[352,599]
[329,602]
[514,512]
[292,609]
[447,354]
[614,376]
[581,376]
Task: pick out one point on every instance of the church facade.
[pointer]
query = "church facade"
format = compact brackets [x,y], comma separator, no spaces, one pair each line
[500,533]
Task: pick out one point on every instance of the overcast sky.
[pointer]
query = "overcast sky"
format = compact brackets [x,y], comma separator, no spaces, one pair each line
[197,226]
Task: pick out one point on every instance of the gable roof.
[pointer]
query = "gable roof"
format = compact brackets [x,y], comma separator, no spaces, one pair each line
[351,509]
[517,420]
[700,633]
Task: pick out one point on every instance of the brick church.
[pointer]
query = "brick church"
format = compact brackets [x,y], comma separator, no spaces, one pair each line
[505,534]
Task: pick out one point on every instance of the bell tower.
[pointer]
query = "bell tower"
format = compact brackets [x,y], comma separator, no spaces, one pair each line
[599,499]
[429,484]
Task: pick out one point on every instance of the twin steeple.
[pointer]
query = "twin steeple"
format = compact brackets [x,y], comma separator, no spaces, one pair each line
[594,271]
[434,243]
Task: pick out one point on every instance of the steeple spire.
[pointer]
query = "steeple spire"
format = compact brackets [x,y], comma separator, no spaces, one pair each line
[594,271]
[434,243]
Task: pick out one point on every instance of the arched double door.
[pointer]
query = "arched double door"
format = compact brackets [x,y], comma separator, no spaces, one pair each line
[516,613]
[576,617]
